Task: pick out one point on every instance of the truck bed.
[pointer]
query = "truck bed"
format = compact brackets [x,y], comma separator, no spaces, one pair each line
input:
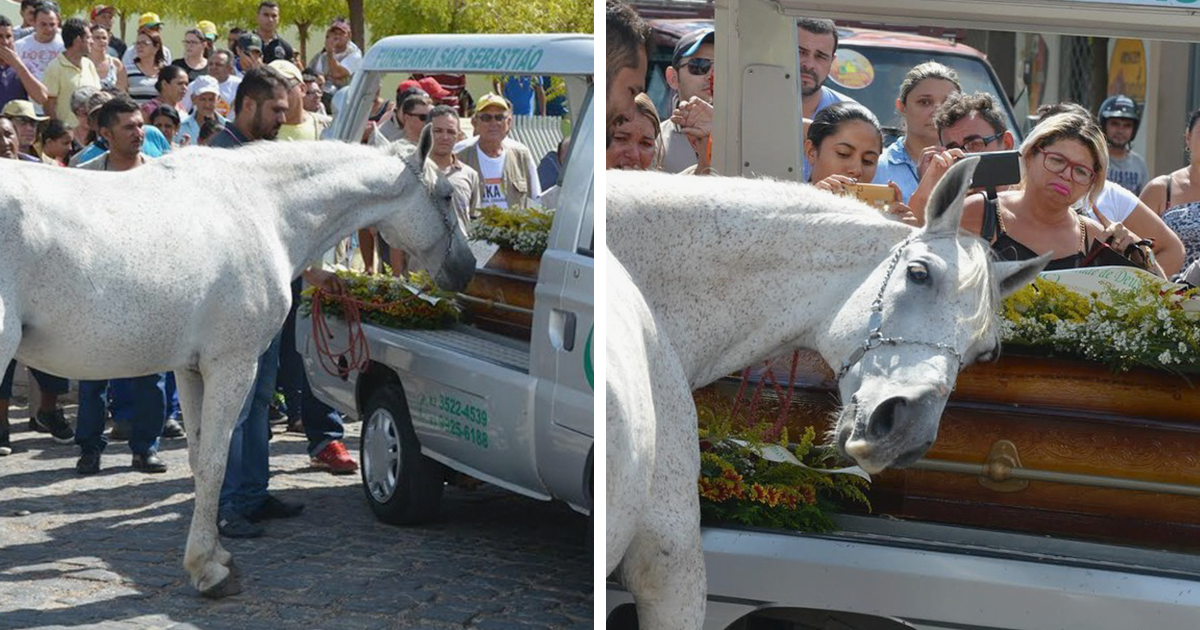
[485,346]
[943,576]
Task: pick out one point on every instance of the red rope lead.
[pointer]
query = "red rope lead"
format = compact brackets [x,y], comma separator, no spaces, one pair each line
[357,356]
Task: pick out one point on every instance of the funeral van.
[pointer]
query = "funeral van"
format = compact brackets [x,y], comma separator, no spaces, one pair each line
[504,396]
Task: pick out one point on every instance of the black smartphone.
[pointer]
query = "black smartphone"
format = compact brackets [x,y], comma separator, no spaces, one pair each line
[997,168]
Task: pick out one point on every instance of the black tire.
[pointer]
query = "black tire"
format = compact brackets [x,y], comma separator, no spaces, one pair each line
[402,486]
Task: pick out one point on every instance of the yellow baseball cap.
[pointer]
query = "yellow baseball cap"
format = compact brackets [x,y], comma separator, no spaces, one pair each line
[492,100]
[208,28]
[149,20]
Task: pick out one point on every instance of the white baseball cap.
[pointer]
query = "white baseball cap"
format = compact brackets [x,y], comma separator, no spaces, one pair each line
[203,84]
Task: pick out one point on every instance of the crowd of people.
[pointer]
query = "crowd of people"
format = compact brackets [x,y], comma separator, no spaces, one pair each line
[73,94]
[1083,194]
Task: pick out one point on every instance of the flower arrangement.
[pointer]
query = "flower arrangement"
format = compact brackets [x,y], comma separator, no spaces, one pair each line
[747,478]
[526,230]
[410,302]
[1142,325]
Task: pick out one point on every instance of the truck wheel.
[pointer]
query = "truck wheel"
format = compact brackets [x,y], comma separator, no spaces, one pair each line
[402,486]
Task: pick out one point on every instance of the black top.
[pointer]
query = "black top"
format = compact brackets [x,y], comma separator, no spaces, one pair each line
[229,138]
[192,73]
[117,44]
[277,48]
[1008,248]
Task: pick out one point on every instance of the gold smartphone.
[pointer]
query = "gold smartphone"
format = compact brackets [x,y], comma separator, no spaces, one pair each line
[879,195]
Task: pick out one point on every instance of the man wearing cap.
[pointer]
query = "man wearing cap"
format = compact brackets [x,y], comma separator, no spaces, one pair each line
[340,58]
[43,45]
[249,51]
[102,15]
[25,118]
[688,129]
[204,92]
[220,67]
[70,70]
[147,22]
[16,81]
[299,124]
[273,45]
[507,170]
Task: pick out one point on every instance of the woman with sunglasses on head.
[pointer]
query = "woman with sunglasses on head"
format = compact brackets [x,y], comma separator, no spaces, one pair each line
[1064,160]
[923,90]
[843,145]
[148,61]
[1176,196]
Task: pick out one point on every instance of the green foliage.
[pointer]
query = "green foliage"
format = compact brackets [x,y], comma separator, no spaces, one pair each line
[394,17]
[412,302]
[526,230]
[1122,328]
[739,485]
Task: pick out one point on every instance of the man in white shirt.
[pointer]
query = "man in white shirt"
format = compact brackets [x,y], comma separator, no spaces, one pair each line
[507,170]
[43,45]
[220,67]
[346,59]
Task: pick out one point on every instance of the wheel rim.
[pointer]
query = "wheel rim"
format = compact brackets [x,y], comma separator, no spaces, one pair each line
[381,455]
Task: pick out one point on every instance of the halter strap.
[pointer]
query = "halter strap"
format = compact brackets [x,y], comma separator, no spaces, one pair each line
[875,336]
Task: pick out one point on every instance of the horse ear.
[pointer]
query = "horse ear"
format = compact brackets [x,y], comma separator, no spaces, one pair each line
[425,143]
[943,212]
[1011,276]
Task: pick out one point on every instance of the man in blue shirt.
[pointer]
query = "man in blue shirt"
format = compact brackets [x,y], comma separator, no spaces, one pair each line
[818,45]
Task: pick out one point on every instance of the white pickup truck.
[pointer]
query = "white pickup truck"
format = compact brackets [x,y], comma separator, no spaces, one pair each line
[513,413]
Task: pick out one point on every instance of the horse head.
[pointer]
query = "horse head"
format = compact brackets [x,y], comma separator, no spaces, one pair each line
[434,238]
[930,311]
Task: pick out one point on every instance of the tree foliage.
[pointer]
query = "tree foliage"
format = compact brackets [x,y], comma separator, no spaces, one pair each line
[402,17]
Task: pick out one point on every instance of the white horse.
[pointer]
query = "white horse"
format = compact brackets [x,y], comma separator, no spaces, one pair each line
[185,264]
[734,271]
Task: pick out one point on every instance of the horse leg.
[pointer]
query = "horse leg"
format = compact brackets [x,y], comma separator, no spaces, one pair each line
[224,388]
[664,565]
[191,397]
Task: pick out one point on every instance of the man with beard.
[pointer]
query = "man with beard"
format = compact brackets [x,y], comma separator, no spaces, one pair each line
[818,45]
[686,133]
[626,56]
[260,109]
[1119,119]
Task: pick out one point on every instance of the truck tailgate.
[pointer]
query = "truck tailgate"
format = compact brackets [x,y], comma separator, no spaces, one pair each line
[472,342]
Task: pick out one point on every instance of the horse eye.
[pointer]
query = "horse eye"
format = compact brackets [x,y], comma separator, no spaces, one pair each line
[918,272]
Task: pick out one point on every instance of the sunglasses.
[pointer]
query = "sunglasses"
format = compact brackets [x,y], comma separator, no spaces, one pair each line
[420,117]
[487,118]
[699,66]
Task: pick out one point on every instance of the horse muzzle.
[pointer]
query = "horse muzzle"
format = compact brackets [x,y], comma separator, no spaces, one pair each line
[894,432]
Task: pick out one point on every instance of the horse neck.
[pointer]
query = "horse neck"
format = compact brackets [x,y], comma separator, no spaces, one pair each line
[748,284]
[328,198]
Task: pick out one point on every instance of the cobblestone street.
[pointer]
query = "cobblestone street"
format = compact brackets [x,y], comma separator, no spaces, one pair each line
[106,551]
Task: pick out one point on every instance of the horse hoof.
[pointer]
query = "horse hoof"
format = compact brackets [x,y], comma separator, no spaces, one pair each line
[234,570]
[226,587]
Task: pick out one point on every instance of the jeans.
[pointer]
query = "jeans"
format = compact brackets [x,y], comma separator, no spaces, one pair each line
[247,469]
[146,413]
[322,424]
[48,382]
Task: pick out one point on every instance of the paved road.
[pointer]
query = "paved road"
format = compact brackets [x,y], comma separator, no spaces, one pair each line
[105,552]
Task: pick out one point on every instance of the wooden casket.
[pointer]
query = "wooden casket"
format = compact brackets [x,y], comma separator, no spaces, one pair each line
[500,296]
[1043,445]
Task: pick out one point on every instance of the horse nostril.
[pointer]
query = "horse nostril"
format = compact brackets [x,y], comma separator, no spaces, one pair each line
[883,419]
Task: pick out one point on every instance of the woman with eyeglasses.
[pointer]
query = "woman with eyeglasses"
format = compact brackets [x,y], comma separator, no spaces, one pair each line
[111,70]
[922,91]
[1176,196]
[148,60]
[195,59]
[1064,159]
